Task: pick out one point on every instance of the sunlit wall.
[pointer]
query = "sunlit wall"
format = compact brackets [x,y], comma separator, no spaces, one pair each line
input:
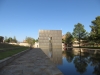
[50,41]
[47,37]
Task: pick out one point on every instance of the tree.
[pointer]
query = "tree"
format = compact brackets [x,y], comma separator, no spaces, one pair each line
[10,40]
[95,29]
[6,39]
[30,41]
[63,40]
[68,38]
[1,39]
[79,32]
[36,40]
[14,40]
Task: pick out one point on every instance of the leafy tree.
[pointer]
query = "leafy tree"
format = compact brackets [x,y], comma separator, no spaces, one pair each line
[86,37]
[10,40]
[30,41]
[1,39]
[79,32]
[36,40]
[5,38]
[68,38]
[14,39]
[63,40]
[95,30]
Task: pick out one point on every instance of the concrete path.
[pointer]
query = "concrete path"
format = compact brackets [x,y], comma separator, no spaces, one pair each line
[34,62]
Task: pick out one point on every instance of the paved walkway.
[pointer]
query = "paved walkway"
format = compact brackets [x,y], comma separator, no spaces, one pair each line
[34,62]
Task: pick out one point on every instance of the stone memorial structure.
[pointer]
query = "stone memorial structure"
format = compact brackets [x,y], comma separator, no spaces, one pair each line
[50,39]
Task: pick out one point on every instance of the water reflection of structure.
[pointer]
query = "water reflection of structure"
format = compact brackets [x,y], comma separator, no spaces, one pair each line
[57,56]
[54,54]
[50,41]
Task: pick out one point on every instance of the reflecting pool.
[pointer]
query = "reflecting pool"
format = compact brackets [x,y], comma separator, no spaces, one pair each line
[76,61]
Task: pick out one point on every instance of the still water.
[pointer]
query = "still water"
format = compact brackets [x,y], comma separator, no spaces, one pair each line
[74,62]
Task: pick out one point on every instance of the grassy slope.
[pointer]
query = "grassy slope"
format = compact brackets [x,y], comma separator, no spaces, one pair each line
[11,52]
[3,45]
[7,46]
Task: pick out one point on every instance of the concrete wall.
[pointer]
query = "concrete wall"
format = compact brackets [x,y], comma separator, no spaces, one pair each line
[36,45]
[48,38]
[24,44]
[21,44]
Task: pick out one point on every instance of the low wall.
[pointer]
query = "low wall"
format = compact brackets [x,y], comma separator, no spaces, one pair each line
[7,60]
[36,45]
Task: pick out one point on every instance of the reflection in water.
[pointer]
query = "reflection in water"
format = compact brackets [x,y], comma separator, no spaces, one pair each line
[74,61]
[95,63]
[81,63]
[50,49]
[78,62]
[54,54]
[69,56]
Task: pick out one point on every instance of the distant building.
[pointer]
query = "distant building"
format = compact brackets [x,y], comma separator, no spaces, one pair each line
[24,41]
[36,44]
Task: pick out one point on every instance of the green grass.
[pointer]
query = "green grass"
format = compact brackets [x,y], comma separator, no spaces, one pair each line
[5,45]
[9,53]
[8,46]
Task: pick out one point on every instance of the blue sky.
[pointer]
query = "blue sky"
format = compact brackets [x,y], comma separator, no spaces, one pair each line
[23,18]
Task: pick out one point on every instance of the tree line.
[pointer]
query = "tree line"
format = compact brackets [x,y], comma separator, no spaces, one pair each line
[79,33]
[28,40]
[1,39]
[10,39]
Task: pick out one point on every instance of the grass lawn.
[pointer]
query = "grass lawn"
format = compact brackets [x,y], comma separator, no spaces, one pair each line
[8,46]
[5,45]
[9,53]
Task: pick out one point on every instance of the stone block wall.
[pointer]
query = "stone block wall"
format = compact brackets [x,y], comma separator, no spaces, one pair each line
[48,38]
